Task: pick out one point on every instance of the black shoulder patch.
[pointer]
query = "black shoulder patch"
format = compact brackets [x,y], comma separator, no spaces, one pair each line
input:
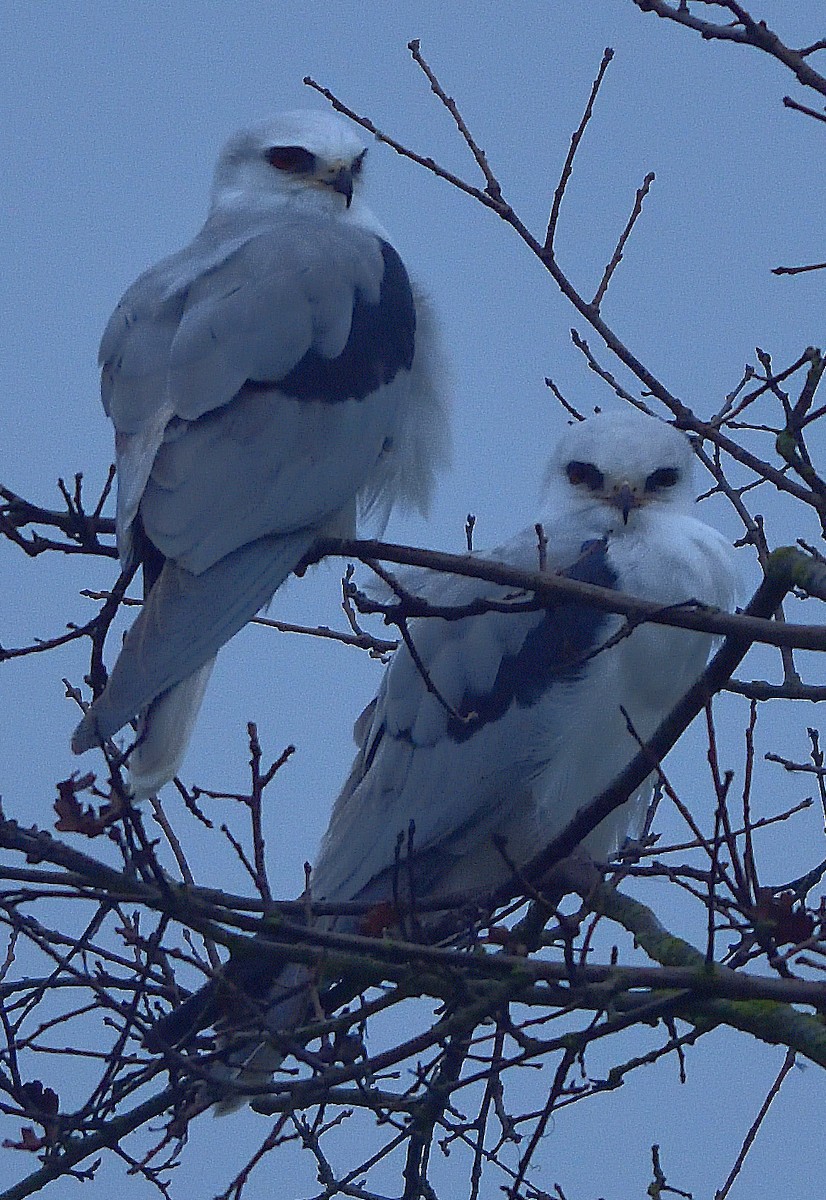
[374,745]
[553,650]
[381,343]
[148,555]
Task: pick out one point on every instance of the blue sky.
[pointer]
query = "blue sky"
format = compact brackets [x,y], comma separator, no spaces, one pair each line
[113,115]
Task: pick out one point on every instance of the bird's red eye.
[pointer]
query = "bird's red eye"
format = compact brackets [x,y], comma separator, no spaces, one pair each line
[294,159]
[584,472]
[663,477]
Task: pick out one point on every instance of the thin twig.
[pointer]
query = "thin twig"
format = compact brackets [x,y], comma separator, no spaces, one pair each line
[576,138]
[748,1141]
[616,257]
[492,186]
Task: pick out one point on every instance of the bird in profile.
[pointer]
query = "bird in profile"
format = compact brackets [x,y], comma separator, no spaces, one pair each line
[269,384]
[503,725]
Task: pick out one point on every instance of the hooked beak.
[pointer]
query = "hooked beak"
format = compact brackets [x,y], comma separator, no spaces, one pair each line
[624,498]
[342,182]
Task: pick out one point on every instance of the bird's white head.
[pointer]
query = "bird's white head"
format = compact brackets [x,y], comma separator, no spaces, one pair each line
[304,157]
[618,466]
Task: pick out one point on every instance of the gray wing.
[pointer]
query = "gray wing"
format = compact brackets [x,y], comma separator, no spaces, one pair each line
[545,729]
[255,386]
[241,378]
[184,622]
[453,770]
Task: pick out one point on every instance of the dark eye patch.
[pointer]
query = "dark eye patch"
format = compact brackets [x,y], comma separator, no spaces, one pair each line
[583,472]
[294,159]
[663,477]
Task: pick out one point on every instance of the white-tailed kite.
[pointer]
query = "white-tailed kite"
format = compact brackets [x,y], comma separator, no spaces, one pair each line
[267,383]
[548,732]
[528,725]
